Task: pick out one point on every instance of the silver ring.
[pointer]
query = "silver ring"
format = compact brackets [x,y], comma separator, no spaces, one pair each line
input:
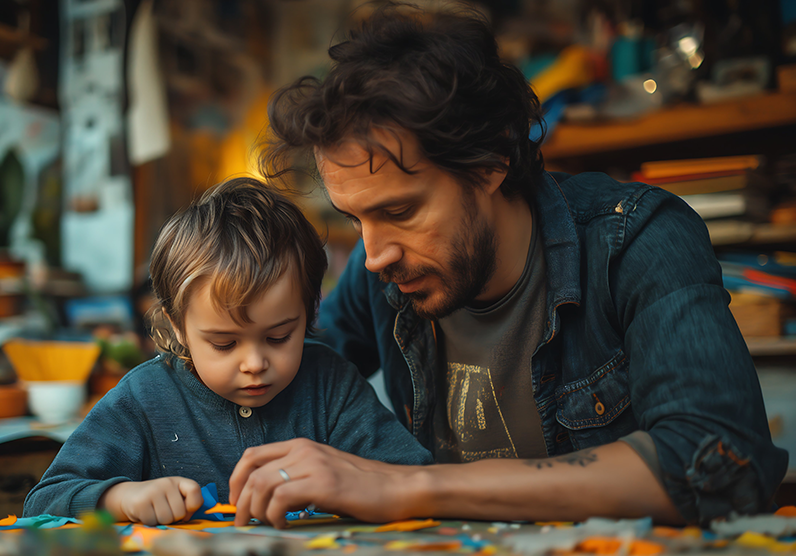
[284,475]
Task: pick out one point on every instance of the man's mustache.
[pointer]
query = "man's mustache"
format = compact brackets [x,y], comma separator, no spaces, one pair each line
[401,274]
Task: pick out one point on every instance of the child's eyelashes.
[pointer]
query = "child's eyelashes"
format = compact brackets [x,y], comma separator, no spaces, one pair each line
[230,345]
[225,347]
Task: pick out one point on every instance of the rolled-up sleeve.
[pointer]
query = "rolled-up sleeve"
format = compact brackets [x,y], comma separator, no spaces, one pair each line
[694,388]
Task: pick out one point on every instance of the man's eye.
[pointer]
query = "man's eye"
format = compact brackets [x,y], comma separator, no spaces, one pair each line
[223,347]
[404,214]
[354,220]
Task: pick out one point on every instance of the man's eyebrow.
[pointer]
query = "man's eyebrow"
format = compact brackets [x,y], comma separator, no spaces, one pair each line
[338,209]
[379,206]
[221,332]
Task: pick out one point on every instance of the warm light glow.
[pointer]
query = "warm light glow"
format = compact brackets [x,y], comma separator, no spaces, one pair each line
[687,45]
[650,86]
[695,60]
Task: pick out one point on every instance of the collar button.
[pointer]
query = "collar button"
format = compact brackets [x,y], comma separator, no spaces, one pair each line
[245,412]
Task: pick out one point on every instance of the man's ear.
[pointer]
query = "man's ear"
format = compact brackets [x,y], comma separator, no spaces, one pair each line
[174,328]
[493,178]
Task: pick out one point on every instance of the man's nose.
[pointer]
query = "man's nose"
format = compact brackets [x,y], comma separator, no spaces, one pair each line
[380,250]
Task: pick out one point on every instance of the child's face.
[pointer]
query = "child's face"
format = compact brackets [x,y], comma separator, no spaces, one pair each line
[251,363]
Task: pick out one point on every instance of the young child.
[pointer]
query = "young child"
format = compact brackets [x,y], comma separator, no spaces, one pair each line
[237,277]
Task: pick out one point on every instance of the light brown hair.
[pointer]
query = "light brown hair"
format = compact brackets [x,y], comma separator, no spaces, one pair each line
[241,236]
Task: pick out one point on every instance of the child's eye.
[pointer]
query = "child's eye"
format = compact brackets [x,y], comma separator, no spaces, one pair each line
[225,347]
[281,340]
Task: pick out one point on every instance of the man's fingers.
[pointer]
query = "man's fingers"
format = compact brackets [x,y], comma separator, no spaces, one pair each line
[192,494]
[253,459]
[243,515]
[291,496]
[256,493]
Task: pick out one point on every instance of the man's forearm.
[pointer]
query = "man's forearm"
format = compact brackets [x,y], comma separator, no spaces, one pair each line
[608,481]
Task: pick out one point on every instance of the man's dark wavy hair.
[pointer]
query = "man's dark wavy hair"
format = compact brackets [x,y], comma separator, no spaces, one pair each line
[438,76]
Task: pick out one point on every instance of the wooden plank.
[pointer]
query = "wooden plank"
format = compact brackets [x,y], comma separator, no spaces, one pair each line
[771,346]
[732,232]
[685,121]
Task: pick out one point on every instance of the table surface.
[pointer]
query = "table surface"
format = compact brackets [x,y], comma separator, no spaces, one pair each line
[345,536]
[29,427]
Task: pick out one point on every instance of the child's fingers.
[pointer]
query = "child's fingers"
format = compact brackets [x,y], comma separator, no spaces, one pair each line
[176,504]
[192,494]
[145,513]
[162,507]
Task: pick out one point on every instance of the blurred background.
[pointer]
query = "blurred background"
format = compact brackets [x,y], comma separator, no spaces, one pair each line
[116,113]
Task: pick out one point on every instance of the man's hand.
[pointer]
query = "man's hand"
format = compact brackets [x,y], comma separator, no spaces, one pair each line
[156,502]
[609,481]
[332,480]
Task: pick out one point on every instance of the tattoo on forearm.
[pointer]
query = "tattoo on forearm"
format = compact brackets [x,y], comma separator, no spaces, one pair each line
[577,459]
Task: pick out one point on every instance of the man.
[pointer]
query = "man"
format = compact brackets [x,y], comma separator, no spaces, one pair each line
[562,343]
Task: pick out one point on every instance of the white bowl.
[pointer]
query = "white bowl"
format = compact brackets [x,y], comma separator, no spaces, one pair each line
[56,401]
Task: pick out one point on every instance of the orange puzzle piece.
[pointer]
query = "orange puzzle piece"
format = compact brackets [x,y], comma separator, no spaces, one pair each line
[222,509]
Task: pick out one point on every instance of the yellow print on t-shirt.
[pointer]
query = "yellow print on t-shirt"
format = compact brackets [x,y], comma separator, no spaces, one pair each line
[474,414]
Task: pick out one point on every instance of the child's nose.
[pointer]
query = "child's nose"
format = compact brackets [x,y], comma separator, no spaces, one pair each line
[255,360]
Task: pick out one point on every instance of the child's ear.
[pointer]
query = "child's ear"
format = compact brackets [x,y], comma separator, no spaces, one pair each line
[174,328]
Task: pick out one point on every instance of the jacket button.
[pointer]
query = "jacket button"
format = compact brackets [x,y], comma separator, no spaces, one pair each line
[598,407]
[245,412]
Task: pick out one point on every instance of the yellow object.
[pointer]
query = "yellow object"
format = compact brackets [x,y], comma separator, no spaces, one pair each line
[10,520]
[693,532]
[411,525]
[755,540]
[35,360]
[397,545]
[573,68]
[322,542]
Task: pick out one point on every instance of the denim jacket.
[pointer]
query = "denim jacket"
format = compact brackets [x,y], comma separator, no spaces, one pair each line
[638,336]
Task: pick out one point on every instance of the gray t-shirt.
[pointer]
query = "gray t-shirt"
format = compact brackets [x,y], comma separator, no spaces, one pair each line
[485,405]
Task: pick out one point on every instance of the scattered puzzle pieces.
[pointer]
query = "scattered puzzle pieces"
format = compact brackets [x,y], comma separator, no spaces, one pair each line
[222,509]
[410,525]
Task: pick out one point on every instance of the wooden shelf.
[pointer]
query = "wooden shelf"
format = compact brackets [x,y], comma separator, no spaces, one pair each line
[686,121]
[12,37]
[785,345]
[733,232]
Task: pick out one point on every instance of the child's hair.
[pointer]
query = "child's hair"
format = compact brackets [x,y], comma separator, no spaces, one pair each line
[241,236]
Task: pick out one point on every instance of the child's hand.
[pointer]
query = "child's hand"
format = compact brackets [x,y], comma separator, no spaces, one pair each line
[156,502]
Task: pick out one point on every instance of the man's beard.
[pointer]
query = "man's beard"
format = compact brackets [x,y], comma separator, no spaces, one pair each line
[471,265]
